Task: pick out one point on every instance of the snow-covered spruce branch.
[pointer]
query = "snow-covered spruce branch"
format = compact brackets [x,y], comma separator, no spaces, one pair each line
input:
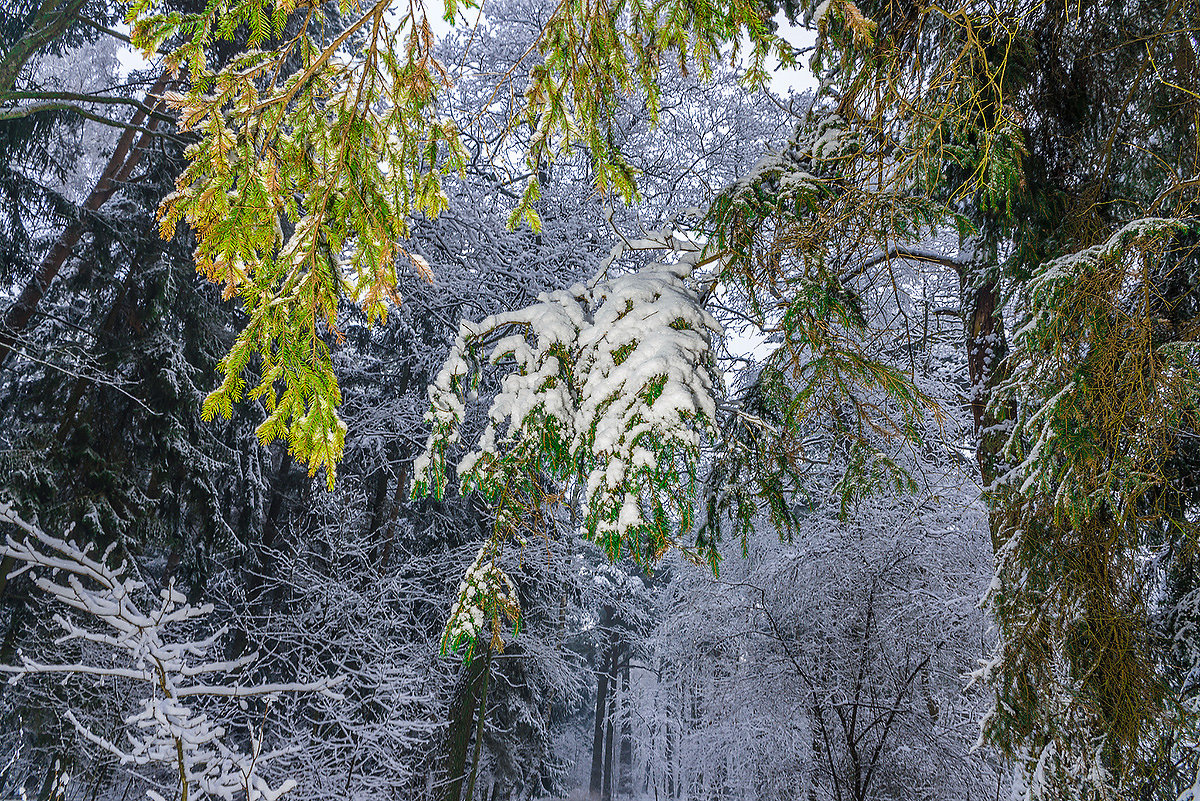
[604,385]
[609,387]
[137,632]
[485,594]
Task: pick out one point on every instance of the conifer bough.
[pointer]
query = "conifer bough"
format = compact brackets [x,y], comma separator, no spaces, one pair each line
[318,144]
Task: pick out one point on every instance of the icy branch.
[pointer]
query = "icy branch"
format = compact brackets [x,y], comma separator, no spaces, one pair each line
[138,634]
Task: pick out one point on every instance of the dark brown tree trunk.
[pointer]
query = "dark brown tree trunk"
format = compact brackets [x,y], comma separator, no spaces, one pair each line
[458,732]
[606,793]
[126,156]
[597,775]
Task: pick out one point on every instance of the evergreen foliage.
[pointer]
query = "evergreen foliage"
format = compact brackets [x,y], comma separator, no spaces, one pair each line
[1030,171]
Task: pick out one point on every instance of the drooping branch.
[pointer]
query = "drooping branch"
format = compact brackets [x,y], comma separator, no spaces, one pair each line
[51,21]
[50,101]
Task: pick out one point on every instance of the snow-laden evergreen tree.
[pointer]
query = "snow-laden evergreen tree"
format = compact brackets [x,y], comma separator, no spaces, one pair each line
[109,346]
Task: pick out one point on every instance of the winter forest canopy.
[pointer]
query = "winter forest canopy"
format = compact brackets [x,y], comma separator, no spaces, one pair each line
[547,400]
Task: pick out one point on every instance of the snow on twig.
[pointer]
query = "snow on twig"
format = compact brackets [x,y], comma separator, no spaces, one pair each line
[139,634]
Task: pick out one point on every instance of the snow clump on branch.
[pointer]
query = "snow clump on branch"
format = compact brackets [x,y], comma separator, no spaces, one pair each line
[607,386]
[141,644]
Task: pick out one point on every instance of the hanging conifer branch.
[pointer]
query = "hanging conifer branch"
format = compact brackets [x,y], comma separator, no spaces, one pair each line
[313,158]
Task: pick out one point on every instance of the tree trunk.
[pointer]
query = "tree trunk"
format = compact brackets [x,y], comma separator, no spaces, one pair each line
[388,534]
[987,349]
[625,780]
[458,733]
[597,774]
[669,759]
[125,158]
[379,502]
[482,716]
[16,622]
[50,783]
[606,792]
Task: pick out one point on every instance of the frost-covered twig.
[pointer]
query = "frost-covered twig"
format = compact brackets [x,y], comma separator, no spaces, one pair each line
[137,630]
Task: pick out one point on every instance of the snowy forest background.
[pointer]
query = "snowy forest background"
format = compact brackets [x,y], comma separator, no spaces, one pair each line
[301,630]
